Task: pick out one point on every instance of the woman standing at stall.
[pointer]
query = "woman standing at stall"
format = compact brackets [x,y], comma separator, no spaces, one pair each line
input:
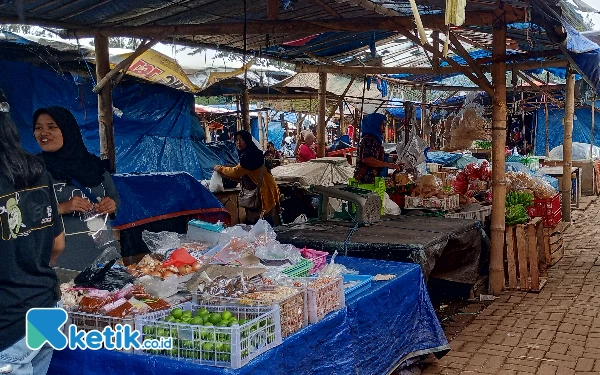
[370,154]
[31,238]
[260,194]
[81,183]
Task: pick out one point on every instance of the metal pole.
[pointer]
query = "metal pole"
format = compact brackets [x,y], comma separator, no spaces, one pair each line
[321,126]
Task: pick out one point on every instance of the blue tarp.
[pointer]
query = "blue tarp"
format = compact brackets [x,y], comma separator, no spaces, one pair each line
[441,157]
[391,321]
[276,133]
[153,135]
[151,196]
[581,129]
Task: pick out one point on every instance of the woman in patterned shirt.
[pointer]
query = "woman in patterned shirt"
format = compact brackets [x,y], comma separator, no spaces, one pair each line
[370,154]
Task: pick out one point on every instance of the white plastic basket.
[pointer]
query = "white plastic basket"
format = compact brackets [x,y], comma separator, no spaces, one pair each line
[293,309]
[88,322]
[324,298]
[216,346]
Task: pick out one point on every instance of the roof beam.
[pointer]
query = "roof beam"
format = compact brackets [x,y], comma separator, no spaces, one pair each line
[327,8]
[362,70]
[273,9]
[291,26]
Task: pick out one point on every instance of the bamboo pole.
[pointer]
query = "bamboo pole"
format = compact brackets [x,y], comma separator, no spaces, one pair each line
[246,111]
[592,132]
[423,110]
[261,130]
[105,103]
[321,125]
[546,113]
[395,129]
[498,159]
[568,145]
[523,123]
[342,119]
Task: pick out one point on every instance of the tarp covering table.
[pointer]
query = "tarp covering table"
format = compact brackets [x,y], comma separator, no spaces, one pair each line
[393,320]
[148,197]
[448,249]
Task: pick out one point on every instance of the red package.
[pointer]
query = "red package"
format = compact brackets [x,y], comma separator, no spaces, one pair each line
[179,258]
[122,310]
[92,304]
[461,183]
[485,171]
[472,171]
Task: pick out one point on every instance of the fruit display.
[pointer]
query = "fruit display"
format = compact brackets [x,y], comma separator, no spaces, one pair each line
[516,214]
[220,336]
[514,198]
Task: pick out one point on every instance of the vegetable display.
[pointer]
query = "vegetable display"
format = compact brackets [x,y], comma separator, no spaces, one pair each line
[514,198]
[516,214]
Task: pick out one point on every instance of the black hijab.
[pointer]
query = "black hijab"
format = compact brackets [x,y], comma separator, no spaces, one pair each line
[72,161]
[251,157]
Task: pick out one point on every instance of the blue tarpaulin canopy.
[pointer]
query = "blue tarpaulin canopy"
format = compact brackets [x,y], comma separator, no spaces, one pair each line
[581,129]
[157,132]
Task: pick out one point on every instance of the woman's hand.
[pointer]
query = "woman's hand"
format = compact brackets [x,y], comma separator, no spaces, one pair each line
[106,206]
[75,204]
[217,167]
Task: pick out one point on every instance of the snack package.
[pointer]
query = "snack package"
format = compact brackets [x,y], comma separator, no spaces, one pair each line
[92,304]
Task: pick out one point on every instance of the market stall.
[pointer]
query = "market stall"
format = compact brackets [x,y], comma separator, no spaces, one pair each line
[391,322]
[235,300]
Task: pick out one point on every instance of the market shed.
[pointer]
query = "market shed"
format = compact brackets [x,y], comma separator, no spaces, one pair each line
[342,36]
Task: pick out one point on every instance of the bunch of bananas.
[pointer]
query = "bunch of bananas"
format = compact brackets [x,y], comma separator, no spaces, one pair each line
[519,197]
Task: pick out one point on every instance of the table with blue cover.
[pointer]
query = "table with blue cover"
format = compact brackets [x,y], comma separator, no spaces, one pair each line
[391,322]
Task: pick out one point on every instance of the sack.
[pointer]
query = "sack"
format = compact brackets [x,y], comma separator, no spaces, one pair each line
[216,183]
[250,198]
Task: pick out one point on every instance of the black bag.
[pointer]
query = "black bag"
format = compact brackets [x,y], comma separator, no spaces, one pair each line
[250,198]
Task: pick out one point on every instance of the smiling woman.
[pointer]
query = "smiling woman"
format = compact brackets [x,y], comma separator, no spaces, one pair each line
[81,185]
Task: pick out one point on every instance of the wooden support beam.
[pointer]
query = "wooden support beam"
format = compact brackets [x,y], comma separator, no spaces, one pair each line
[321,124]
[436,47]
[499,157]
[246,110]
[568,145]
[273,9]
[462,52]
[485,85]
[327,8]
[125,63]
[293,26]
[592,130]
[105,104]
[361,70]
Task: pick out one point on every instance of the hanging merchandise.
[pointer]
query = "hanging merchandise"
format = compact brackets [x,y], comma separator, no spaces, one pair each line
[455,12]
[368,83]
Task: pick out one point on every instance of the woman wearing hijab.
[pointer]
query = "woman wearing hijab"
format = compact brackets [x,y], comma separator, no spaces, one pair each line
[81,182]
[370,154]
[31,237]
[250,171]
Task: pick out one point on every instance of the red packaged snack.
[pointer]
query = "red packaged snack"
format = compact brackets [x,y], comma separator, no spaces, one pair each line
[157,304]
[472,171]
[461,183]
[92,304]
[121,311]
[485,171]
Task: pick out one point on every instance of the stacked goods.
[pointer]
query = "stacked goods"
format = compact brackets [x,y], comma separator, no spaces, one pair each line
[546,201]
[517,203]
[472,183]
[224,336]
[430,193]
[464,130]
[154,267]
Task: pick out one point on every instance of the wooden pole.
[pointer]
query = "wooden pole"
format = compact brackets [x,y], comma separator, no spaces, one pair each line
[592,132]
[261,130]
[246,110]
[387,132]
[395,129]
[546,112]
[498,158]
[105,104]
[321,125]
[342,119]
[568,145]
[423,110]
[238,119]
[523,123]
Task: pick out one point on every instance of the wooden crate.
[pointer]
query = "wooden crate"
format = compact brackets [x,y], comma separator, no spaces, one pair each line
[524,257]
[553,243]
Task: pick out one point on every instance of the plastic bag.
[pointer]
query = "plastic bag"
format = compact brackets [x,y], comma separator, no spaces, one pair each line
[236,231]
[333,269]
[391,208]
[413,153]
[102,275]
[263,233]
[158,287]
[179,257]
[216,183]
[162,242]
[276,251]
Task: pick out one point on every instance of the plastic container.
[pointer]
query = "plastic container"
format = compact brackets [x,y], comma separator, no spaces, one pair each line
[231,347]
[377,187]
[545,207]
[300,269]
[293,309]
[88,322]
[323,296]
[318,258]
[203,232]
[363,284]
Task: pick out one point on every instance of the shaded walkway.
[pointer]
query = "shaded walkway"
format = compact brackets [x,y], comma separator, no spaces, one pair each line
[554,332]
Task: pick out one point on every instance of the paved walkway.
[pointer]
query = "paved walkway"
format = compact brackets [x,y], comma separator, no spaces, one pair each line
[555,332]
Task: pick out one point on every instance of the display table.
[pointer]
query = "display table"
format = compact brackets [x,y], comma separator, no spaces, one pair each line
[391,322]
[447,249]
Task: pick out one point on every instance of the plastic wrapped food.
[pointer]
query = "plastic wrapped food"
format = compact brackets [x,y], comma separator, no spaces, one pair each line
[460,183]
[485,171]
[92,304]
[263,233]
[542,189]
[229,287]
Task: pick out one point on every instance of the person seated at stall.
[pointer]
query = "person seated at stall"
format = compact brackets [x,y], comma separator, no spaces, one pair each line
[272,156]
[260,194]
[370,154]
[32,237]
[305,149]
[81,183]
